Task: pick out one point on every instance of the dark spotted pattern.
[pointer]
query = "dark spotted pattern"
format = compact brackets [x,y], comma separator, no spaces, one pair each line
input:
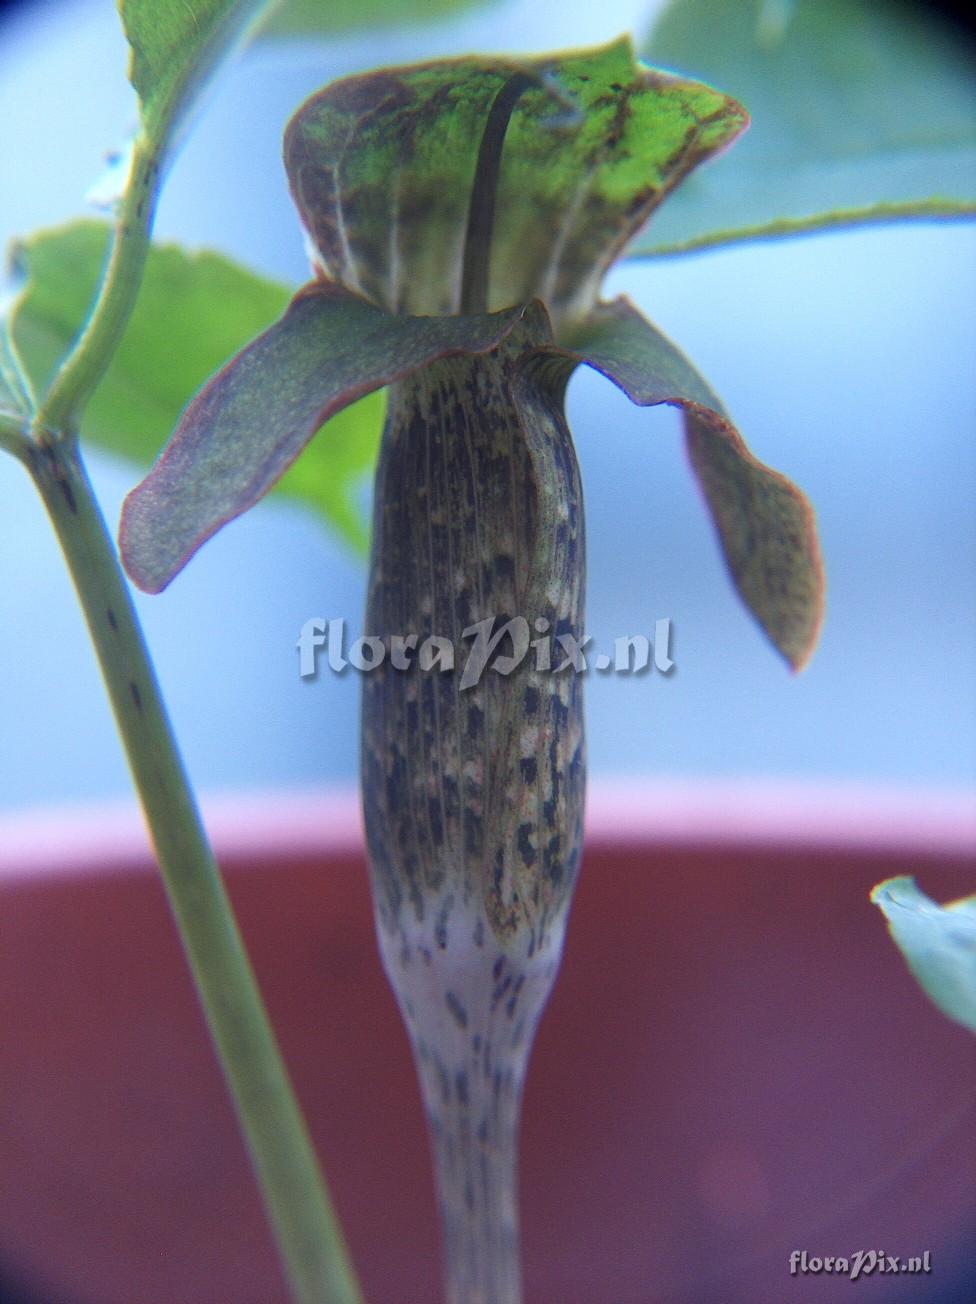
[474,797]
[478,515]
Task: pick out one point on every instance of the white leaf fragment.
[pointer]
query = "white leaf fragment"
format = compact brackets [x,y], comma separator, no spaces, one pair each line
[937,942]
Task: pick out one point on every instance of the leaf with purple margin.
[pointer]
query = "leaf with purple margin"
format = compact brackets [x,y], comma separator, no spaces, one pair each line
[764,523]
[195,310]
[248,424]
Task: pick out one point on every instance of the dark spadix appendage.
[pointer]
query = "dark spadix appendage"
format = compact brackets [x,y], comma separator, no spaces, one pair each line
[474,795]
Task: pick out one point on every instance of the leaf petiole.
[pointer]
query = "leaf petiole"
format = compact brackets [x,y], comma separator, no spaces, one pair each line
[59,412]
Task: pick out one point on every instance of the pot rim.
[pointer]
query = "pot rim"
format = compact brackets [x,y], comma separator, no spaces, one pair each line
[253,827]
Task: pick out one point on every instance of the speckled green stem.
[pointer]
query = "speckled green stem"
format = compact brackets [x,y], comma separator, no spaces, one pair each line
[301,1215]
[303,1222]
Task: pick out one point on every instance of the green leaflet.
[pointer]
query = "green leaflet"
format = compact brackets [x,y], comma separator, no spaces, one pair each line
[15,400]
[764,524]
[194,311]
[382,166]
[862,110]
[937,942]
[249,423]
[175,45]
[311,18]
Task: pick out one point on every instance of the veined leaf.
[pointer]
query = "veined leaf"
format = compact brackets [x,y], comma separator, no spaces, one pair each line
[195,310]
[938,943]
[862,110]
[15,401]
[175,46]
[313,18]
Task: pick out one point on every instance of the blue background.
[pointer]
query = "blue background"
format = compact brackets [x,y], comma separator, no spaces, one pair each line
[847,360]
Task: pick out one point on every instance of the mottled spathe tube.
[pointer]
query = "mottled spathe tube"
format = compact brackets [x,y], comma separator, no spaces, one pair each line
[473,797]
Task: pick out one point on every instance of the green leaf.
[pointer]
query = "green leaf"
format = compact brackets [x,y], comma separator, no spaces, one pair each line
[312,18]
[382,166]
[862,110]
[194,312]
[336,466]
[15,401]
[937,942]
[250,422]
[175,45]
[764,524]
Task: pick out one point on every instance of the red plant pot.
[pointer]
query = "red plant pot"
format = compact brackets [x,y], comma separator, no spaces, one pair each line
[735,1064]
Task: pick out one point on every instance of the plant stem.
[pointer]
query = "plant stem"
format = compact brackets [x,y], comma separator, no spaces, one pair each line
[74,384]
[307,1232]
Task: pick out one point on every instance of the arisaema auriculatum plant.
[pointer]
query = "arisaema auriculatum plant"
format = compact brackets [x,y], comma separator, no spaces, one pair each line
[461,217]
